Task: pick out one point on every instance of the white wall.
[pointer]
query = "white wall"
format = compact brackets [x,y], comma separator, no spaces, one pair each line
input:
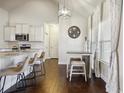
[3,22]
[65,42]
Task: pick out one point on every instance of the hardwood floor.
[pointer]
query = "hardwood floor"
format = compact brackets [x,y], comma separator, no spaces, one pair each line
[55,82]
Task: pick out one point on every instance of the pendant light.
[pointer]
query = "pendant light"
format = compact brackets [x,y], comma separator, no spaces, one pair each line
[64,11]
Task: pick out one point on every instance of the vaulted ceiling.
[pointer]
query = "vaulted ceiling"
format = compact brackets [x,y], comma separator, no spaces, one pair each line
[13,4]
[84,7]
[79,7]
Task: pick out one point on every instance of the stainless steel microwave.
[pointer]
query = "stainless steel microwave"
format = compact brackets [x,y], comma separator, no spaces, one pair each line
[22,37]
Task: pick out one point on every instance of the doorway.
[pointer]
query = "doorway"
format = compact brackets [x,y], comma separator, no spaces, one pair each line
[51,40]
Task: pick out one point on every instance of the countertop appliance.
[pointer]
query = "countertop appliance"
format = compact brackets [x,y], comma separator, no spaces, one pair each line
[25,46]
[22,37]
[15,48]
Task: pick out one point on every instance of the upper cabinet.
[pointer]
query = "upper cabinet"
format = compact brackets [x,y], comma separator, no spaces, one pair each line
[18,29]
[25,29]
[9,33]
[39,33]
[32,33]
[36,33]
[22,28]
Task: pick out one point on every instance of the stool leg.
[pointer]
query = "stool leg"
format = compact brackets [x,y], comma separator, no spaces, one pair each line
[34,73]
[2,87]
[85,74]
[24,78]
[17,81]
[71,70]
[23,81]
[20,82]
[67,71]
[43,68]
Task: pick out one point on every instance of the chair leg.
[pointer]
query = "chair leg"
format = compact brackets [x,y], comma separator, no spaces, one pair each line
[2,87]
[17,81]
[24,78]
[34,74]
[43,69]
[20,82]
[23,81]
[85,73]
[31,79]
[67,71]
[71,70]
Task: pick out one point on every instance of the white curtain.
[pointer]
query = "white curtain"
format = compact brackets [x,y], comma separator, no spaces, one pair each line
[112,85]
[97,50]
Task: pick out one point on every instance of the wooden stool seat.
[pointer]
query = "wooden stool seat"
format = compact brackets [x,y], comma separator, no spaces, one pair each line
[81,69]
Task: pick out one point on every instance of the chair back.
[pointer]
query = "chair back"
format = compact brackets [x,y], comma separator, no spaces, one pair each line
[25,64]
[35,58]
[42,55]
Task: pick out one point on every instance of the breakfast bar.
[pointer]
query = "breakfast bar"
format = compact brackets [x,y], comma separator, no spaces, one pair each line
[75,54]
[11,59]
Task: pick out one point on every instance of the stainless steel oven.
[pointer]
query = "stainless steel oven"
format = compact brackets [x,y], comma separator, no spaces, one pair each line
[22,37]
[24,46]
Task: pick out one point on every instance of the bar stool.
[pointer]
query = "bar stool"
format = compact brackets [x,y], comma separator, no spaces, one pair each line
[19,71]
[40,62]
[77,67]
[34,62]
[32,67]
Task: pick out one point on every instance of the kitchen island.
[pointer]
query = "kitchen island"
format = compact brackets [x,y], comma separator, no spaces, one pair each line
[12,58]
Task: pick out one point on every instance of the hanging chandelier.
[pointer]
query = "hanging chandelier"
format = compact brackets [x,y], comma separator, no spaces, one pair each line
[64,11]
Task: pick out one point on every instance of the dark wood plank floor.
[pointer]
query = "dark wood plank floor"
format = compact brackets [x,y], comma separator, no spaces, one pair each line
[55,82]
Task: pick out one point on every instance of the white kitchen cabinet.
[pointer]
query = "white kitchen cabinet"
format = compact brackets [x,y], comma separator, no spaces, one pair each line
[18,29]
[32,33]
[25,29]
[39,34]
[9,34]
[36,33]
[22,28]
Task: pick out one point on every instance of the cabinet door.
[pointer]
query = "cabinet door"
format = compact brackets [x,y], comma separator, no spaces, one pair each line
[39,33]
[18,28]
[25,29]
[32,34]
[9,34]
[42,34]
[12,34]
